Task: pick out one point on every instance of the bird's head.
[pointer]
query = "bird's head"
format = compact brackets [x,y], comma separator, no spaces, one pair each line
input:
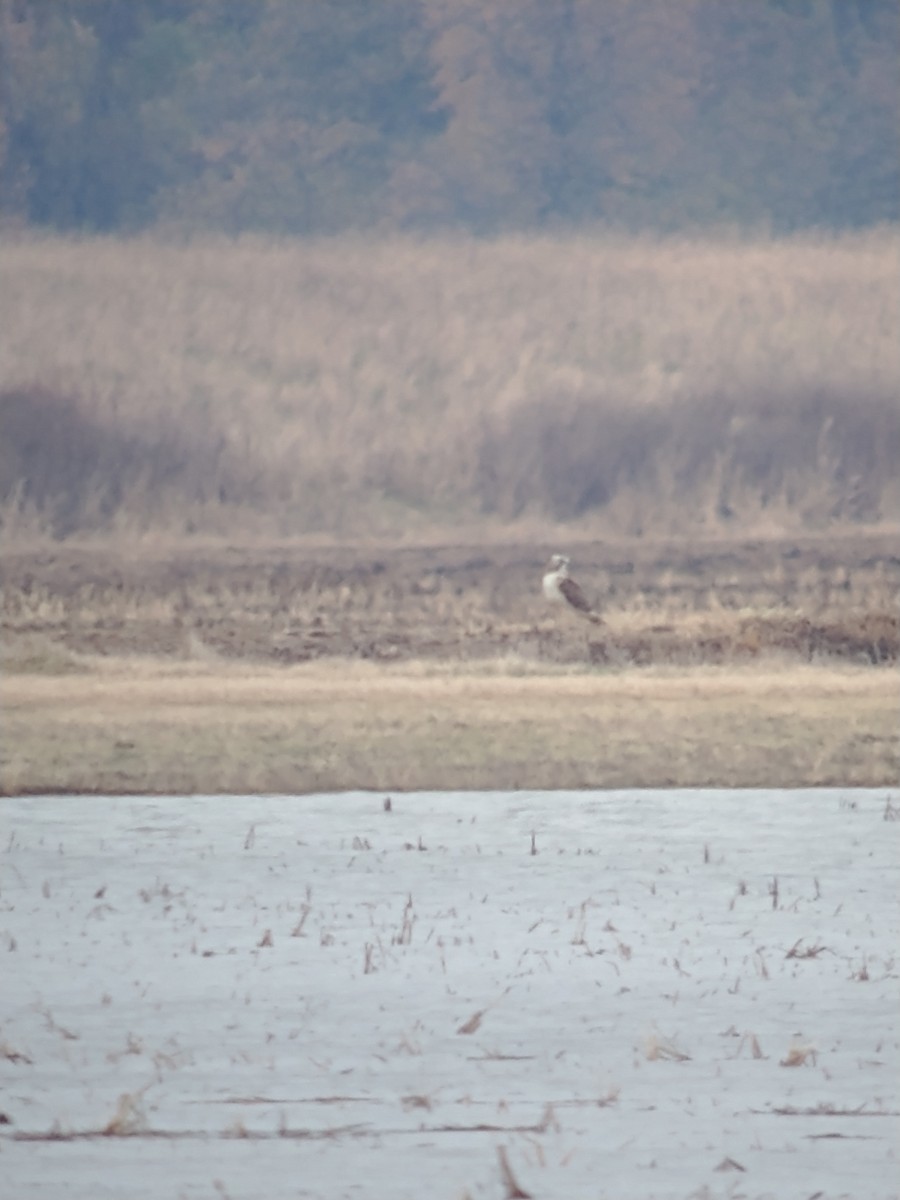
[559,561]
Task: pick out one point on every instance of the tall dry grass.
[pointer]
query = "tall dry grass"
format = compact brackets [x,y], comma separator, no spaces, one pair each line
[356,386]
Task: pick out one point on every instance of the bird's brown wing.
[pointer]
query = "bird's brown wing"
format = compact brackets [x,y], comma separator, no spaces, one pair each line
[574,595]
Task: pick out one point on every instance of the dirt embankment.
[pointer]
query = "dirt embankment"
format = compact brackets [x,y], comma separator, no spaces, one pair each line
[702,602]
[290,669]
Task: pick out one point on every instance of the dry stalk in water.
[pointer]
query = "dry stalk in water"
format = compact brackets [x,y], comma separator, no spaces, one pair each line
[473,1022]
[513,1189]
[129,1117]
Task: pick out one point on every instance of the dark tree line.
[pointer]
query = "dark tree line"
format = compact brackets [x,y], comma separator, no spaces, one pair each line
[309,116]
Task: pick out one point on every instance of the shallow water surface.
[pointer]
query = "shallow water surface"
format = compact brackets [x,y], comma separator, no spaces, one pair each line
[629,994]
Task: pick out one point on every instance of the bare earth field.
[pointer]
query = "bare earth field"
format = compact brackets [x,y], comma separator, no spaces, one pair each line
[299,669]
[472,996]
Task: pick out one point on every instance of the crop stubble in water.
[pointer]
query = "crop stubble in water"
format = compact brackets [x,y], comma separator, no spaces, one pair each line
[415,1003]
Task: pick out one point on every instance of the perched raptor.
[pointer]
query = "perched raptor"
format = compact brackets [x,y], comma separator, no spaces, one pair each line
[561,588]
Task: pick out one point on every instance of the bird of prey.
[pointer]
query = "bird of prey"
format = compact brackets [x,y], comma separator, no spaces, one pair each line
[561,588]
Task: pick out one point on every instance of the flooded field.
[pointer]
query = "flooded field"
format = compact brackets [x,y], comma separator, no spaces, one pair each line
[549,994]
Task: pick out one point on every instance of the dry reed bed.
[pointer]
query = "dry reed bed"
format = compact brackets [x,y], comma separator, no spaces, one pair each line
[357,385]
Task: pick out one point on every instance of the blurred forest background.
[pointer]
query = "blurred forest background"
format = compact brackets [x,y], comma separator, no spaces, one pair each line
[289,267]
[304,117]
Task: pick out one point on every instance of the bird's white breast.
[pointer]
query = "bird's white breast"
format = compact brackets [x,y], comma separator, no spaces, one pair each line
[551,586]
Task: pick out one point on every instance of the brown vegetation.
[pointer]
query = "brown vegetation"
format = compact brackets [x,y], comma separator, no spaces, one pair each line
[127,725]
[172,413]
[429,114]
[706,602]
[399,388]
[298,669]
